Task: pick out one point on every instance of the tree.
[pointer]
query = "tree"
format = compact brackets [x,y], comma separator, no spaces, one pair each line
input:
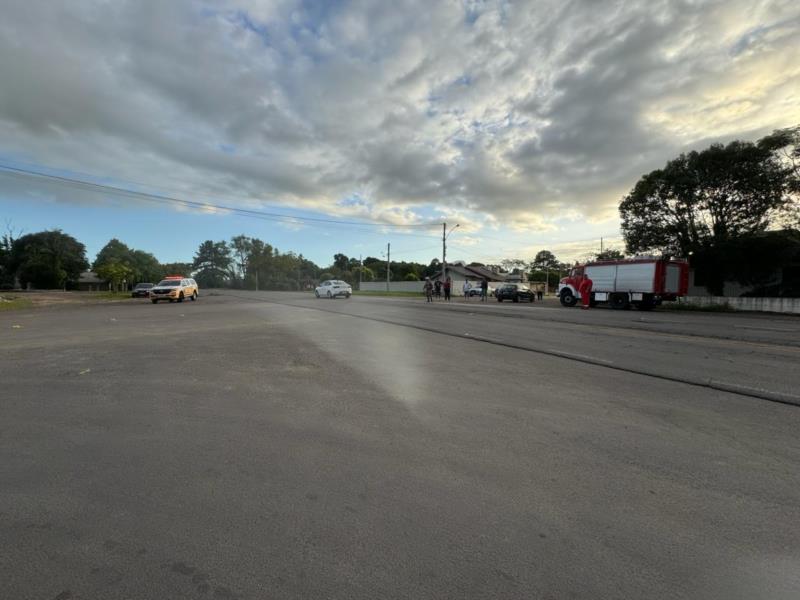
[509,264]
[212,263]
[175,268]
[6,243]
[609,254]
[341,262]
[116,273]
[138,265]
[785,145]
[544,260]
[47,260]
[242,247]
[705,198]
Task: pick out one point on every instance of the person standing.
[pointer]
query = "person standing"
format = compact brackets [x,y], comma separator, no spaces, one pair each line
[466,288]
[428,289]
[585,290]
[484,289]
[448,285]
[438,289]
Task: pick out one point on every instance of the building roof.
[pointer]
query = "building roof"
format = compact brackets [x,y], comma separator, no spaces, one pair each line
[471,273]
[89,277]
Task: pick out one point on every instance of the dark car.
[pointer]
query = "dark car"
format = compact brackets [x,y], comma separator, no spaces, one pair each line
[141,290]
[516,292]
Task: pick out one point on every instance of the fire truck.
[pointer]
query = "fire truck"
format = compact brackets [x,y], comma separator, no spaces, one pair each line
[643,282]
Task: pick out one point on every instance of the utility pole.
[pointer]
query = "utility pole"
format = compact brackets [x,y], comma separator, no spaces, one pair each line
[601,245]
[360,271]
[444,251]
[388,263]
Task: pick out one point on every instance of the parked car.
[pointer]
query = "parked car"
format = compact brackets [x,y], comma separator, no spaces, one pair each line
[476,289]
[141,290]
[333,288]
[516,292]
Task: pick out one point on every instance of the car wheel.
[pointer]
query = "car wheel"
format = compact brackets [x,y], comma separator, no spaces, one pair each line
[499,299]
[154,301]
[619,301]
[568,299]
[516,298]
[316,293]
[194,296]
[347,296]
[330,296]
[180,298]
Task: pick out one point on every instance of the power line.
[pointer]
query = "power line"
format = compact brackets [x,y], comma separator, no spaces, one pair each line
[204,205]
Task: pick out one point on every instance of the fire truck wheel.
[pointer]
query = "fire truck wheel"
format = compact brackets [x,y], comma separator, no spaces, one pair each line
[568,299]
[620,301]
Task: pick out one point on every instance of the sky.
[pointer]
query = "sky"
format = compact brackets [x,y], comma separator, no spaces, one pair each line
[525,122]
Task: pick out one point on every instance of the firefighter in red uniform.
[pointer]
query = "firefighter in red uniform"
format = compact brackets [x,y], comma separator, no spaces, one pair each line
[585,290]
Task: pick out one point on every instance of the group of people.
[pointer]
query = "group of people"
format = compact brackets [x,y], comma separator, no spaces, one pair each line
[434,289]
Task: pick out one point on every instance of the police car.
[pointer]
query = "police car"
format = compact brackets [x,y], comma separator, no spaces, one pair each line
[174,288]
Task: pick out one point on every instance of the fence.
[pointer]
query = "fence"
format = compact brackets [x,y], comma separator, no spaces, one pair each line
[778,305]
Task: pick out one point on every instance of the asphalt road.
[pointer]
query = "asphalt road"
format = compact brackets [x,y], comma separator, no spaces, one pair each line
[267,445]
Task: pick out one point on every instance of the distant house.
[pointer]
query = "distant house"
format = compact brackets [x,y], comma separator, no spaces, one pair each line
[90,282]
[458,272]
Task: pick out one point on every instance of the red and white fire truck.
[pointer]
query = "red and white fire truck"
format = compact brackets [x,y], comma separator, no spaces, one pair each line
[643,282]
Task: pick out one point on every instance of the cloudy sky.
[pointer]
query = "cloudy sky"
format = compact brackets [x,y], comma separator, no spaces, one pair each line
[525,122]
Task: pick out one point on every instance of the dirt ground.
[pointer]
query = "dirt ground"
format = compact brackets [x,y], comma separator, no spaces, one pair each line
[48,298]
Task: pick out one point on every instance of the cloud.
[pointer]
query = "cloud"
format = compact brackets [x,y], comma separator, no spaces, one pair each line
[519,115]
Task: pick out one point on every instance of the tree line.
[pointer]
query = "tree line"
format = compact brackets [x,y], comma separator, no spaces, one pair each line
[54,260]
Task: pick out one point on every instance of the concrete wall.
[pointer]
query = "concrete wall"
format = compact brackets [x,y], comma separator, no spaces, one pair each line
[408,286]
[394,286]
[778,305]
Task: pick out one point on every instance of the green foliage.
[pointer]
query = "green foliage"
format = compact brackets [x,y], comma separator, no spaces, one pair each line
[544,259]
[768,262]
[117,263]
[114,272]
[47,260]
[708,197]
[212,263]
[609,254]
[411,277]
[176,268]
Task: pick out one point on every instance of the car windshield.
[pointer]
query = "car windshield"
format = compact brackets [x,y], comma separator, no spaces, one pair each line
[144,285]
[170,283]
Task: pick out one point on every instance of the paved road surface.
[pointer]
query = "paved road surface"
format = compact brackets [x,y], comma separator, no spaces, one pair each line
[257,445]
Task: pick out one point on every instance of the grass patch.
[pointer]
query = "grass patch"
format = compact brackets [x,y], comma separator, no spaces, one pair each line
[12,303]
[400,294]
[689,307]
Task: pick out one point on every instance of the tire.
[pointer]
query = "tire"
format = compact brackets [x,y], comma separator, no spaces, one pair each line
[568,299]
[347,296]
[515,299]
[619,301]
[194,296]
[330,296]
[499,299]
[316,293]
[154,301]
[180,298]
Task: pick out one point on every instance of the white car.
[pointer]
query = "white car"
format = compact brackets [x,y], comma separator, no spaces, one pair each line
[333,288]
